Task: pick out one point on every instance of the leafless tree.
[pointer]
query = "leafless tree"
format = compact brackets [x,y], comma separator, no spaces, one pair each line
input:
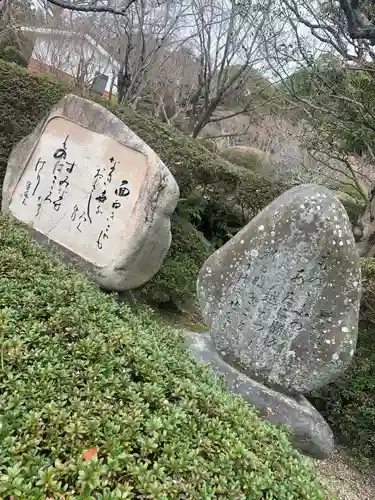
[318,38]
[98,6]
[172,84]
[226,46]
[143,42]
[114,7]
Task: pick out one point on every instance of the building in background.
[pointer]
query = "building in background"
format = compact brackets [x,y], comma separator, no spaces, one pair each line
[73,56]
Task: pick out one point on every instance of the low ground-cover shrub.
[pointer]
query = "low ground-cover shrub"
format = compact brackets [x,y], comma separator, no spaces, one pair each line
[97,401]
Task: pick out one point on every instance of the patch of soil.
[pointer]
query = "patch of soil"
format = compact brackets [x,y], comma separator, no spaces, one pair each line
[346,477]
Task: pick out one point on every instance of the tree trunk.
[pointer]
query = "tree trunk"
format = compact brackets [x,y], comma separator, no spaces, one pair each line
[3,8]
[364,230]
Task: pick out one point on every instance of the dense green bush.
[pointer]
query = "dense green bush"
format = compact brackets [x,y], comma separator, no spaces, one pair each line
[24,100]
[177,281]
[81,375]
[248,157]
[353,206]
[368,291]
[13,54]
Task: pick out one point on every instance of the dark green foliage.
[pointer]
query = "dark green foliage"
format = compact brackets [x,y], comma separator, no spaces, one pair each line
[79,371]
[24,100]
[12,54]
[348,404]
[218,224]
[14,46]
[176,281]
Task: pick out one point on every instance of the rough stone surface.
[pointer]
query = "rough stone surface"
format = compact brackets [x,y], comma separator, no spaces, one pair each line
[93,191]
[310,433]
[281,298]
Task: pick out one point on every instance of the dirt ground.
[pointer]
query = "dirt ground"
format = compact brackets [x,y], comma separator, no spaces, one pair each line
[345,477]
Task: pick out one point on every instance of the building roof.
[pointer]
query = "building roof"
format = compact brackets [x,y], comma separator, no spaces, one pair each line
[58,31]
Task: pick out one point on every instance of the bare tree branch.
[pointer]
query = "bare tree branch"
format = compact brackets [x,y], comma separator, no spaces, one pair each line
[92,6]
[359,25]
[3,7]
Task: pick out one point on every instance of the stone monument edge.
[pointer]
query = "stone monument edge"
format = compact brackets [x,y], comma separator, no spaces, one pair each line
[162,185]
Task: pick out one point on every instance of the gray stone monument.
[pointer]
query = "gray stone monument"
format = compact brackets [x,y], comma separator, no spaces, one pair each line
[90,189]
[281,300]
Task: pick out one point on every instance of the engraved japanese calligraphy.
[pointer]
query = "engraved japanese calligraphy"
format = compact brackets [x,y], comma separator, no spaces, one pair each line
[291,320]
[60,199]
[94,193]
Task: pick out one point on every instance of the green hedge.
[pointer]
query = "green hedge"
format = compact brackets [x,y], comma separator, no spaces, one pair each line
[25,99]
[79,372]
[177,280]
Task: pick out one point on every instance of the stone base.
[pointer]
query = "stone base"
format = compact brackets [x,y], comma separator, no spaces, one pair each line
[310,433]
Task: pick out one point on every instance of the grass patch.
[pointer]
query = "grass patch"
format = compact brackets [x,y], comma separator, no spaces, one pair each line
[80,371]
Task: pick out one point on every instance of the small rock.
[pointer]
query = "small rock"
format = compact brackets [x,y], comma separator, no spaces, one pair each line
[310,433]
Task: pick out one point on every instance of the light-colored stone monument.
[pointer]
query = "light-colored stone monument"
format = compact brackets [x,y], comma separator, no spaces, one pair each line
[91,189]
[281,300]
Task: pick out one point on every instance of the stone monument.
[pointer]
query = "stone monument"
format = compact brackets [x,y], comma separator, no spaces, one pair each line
[87,187]
[281,300]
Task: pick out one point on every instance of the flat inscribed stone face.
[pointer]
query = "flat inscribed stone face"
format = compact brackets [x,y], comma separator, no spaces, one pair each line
[78,190]
[282,296]
[94,193]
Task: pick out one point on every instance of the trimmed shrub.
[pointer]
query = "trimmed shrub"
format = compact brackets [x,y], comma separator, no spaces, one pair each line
[24,100]
[177,280]
[253,159]
[354,207]
[210,144]
[100,402]
[13,54]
